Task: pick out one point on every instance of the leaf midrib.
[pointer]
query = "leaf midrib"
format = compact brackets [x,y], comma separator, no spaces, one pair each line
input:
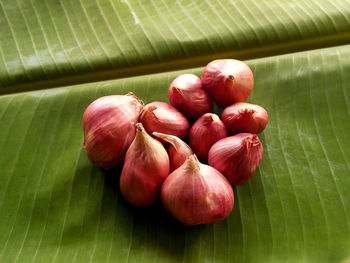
[283,48]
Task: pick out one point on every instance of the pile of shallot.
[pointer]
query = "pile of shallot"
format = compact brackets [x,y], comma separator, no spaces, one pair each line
[151,141]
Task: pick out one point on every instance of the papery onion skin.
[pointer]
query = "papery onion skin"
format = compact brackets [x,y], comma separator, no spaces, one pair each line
[161,117]
[109,128]
[243,117]
[236,157]
[228,81]
[145,167]
[178,150]
[196,193]
[206,131]
[188,96]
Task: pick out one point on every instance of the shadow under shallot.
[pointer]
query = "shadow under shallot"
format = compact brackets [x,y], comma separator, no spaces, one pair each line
[150,230]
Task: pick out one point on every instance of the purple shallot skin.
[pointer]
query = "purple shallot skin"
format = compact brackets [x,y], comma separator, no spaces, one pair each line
[178,150]
[109,128]
[206,131]
[161,117]
[228,81]
[196,193]
[236,157]
[188,96]
[244,117]
[145,167]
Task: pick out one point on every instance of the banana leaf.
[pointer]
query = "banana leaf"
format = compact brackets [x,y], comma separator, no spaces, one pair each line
[58,56]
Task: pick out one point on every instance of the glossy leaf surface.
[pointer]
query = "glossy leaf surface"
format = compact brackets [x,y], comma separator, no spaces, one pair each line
[55,206]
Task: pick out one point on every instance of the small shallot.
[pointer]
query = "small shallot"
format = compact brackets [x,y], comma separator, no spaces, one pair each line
[178,150]
[236,157]
[206,131]
[161,117]
[228,81]
[196,193]
[244,117]
[146,166]
[188,96]
[109,128]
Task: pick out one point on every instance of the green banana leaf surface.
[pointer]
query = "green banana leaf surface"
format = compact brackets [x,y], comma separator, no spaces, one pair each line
[56,57]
